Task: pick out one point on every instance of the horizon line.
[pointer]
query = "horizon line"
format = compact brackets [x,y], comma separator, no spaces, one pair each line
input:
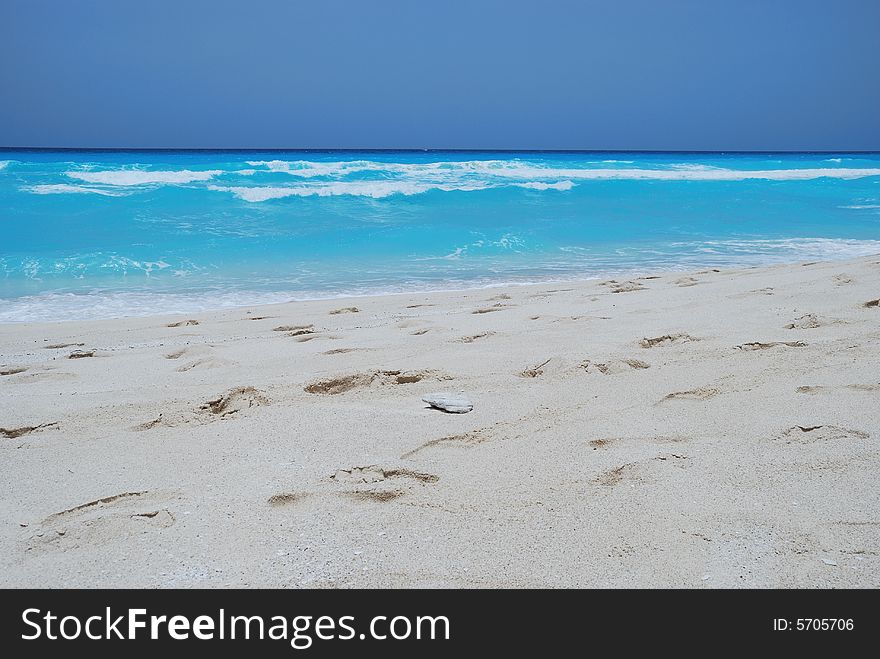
[429,150]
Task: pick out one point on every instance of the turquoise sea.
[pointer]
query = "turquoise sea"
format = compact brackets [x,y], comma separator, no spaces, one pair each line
[93,234]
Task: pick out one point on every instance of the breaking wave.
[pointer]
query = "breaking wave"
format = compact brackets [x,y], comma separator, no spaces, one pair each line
[65,188]
[125,177]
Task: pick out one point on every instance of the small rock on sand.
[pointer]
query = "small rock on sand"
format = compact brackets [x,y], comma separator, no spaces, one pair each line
[449,402]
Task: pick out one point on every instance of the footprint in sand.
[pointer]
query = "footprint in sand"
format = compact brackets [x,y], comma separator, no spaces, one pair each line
[48,374]
[624,286]
[535,371]
[183,323]
[613,366]
[851,387]
[14,433]
[59,346]
[638,471]
[700,393]
[666,340]
[872,303]
[104,520]
[189,351]
[373,483]
[464,440]
[295,330]
[81,354]
[758,291]
[336,312]
[313,337]
[341,384]
[474,337]
[202,358]
[810,434]
[757,345]
[611,477]
[233,402]
[497,307]
[605,442]
[807,321]
[684,282]
[204,363]
[176,354]
[285,499]
[843,279]
[13,370]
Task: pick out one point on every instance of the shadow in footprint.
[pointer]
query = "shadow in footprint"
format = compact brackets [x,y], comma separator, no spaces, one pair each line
[666,339]
[378,484]
[14,433]
[465,440]
[757,345]
[701,393]
[344,383]
[810,434]
[234,401]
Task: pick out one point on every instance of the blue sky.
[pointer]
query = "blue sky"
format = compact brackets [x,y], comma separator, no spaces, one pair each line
[553,74]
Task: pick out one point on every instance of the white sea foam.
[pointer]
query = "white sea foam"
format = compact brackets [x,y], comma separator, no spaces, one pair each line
[126,177]
[540,185]
[51,307]
[4,164]
[693,167]
[373,189]
[710,174]
[414,179]
[506,172]
[808,248]
[734,252]
[524,170]
[627,261]
[66,188]
[311,169]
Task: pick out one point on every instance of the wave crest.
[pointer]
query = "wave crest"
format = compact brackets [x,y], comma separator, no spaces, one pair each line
[66,188]
[524,170]
[126,177]
[371,189]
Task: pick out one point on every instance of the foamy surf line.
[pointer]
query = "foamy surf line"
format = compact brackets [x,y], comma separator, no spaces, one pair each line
[64,307]
[414,178]
[387,179]
[374,190]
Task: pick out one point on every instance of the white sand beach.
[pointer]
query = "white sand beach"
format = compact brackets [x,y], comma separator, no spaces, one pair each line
[702,429]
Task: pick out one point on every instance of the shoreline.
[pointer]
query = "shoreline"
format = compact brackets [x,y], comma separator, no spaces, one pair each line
[690,429]
[633,273]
